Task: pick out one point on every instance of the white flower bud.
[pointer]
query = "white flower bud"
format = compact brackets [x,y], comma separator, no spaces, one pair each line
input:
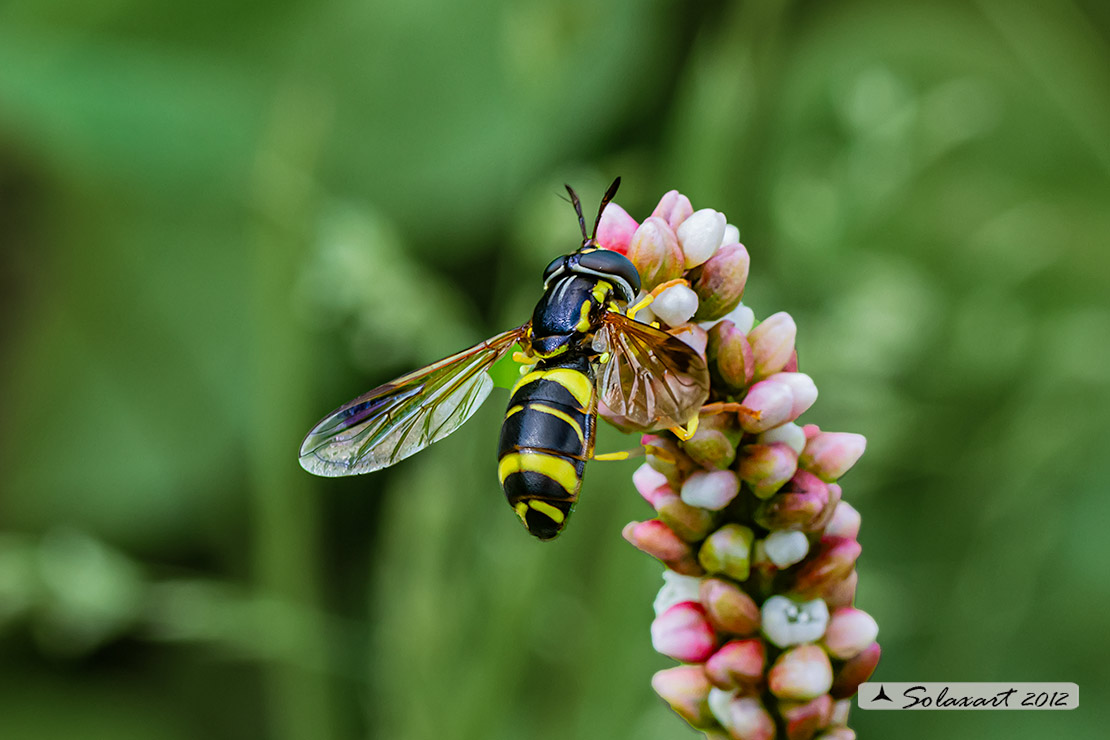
[784,548]
[701,235]
[675,305]
[790,434]
[710,490]
[676,589]
[787,622]
[719,699]
[732,235]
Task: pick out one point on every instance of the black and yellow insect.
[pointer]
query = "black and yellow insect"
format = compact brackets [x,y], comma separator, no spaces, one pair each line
[580,349]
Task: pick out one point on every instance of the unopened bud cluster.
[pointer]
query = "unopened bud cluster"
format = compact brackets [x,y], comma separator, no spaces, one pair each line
[760,548]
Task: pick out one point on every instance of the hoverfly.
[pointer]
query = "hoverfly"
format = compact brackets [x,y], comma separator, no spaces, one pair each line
[579,348]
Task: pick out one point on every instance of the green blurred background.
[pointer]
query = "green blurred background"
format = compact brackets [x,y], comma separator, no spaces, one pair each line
[220,220]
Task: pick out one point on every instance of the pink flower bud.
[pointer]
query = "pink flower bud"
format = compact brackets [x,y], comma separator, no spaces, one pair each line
[804,719]
[796,506]
[615,229]
[685,688]
[743,716]
[850,631]
[730,355]
[737,664]
[831,454]
[676,305]
[728,551]
[721,283]
[651,484]
[728,608]
[772,400]
[711,490]
[856,671]
[801,673]
[683,633]
[838,733]
[656,539]
[766,468]
[826,515]
[655,252]
[845,521]
[674,208]
[773,342]
[700,235]
[833,562]
[841,593]
[803,388]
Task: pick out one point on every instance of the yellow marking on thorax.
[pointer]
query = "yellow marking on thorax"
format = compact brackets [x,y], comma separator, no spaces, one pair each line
[561,415]
[602,291]
[575,382]
[548,510]
[554,352]
[583,324]
[555,468]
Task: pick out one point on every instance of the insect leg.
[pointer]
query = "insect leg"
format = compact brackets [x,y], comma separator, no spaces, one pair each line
[726,408]
[621,455]
[686,431]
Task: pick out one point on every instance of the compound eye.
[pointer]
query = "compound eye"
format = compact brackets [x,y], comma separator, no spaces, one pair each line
[612,263]
[555,267]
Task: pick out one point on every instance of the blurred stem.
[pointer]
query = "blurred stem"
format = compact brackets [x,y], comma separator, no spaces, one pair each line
[286,551]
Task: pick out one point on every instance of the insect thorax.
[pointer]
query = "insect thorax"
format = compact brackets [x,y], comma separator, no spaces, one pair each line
[568,314]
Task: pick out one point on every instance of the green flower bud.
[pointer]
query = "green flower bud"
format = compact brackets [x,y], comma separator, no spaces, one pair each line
[655,252]
[690,523]
[730,356]
[729,609]
[685,688]
[721,283]
[801,673]
[728,551]
[804,719]
[766,468]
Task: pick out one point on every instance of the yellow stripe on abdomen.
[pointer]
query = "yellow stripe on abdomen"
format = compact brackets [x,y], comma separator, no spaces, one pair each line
[560,415]
[576,383]
[556,468]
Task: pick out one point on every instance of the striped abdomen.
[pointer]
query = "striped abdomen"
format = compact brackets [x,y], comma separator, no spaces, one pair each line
[547,437]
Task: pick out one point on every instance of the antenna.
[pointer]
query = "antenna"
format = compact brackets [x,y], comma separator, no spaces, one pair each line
[604,202]
[577,209]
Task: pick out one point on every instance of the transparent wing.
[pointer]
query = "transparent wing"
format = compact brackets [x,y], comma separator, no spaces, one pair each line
[402,417]
[653,379]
